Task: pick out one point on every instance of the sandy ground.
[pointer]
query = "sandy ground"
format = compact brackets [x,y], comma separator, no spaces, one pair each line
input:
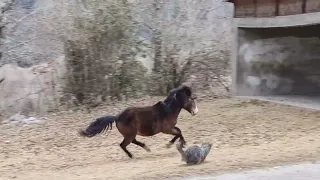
[246,135]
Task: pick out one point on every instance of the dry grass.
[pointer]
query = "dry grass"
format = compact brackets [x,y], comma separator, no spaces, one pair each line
[246,134]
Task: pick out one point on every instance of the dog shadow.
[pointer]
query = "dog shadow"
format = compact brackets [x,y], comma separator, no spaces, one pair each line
[187,165]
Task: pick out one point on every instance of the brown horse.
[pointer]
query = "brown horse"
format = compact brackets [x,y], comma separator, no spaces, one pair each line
[148,120]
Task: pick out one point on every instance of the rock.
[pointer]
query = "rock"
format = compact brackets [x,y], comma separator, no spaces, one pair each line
[22,119]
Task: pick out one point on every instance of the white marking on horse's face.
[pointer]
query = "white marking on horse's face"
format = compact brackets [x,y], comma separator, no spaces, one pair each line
[195,109]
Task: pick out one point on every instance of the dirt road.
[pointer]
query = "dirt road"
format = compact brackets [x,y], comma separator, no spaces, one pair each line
[246,135]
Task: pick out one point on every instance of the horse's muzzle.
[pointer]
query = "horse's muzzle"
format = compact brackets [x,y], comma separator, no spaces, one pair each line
[194,111]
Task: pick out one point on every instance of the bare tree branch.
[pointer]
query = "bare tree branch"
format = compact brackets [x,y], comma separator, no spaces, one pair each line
[22,43]
[17,22]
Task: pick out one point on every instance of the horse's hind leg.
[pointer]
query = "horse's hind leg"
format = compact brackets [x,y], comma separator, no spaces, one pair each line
[144,146]
[124,144]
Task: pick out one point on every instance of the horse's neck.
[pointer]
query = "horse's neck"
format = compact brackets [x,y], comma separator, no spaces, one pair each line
[175,113]
[174,108]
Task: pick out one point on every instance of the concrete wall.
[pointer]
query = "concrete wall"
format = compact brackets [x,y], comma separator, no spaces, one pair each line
[276,61]
[268,8]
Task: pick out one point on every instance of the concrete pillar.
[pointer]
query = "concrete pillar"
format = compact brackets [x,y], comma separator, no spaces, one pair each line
[281,47]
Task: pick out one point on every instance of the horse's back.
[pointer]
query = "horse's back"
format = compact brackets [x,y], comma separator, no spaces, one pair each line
[145,120]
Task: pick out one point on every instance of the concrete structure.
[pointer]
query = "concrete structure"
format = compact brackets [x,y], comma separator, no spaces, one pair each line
[276,48]
[304,171]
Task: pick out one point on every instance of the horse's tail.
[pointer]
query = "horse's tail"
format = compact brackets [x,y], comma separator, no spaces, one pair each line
[97,126]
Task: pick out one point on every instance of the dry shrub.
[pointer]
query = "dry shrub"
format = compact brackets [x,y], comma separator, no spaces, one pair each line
[100,54]
[206,71]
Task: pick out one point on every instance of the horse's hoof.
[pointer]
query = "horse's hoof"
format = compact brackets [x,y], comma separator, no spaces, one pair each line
[184,144]
[169,145]
[147,148]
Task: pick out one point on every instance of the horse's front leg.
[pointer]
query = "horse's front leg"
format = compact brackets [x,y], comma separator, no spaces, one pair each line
[177,134]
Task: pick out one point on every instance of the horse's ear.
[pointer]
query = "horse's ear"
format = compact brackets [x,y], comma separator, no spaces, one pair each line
[172,91]
[182,88]
[175,90]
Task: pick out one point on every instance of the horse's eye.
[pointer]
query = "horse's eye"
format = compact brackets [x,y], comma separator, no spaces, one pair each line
[193,98]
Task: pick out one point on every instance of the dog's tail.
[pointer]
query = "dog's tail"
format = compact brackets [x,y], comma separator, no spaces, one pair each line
[98,126]
[179,147]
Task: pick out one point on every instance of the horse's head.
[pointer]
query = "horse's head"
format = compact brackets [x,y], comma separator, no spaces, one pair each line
[184,96]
